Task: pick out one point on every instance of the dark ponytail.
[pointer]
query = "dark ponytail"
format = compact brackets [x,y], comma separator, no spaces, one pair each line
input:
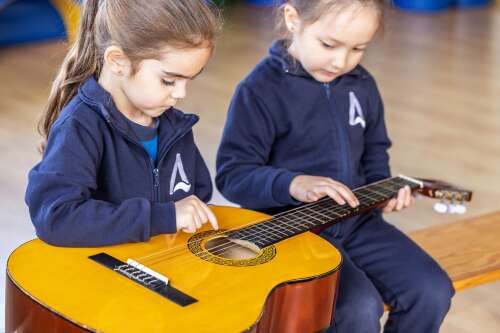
[81,62]
[139,27]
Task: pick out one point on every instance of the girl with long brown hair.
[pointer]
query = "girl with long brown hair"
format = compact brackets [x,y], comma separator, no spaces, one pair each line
[119,161]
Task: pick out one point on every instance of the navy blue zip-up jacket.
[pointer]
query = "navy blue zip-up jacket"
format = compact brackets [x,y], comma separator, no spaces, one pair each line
[96,184]
[282,123]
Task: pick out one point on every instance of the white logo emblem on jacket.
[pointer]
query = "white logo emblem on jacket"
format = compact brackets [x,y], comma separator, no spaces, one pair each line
[355,111]
[179,169]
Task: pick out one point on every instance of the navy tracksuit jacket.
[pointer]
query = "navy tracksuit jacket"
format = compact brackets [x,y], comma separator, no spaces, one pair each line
[97,185]
[283,123]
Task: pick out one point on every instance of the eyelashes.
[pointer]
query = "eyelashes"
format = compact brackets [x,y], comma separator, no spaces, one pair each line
[168,83]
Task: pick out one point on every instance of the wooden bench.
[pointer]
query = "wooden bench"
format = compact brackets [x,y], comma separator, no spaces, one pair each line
[468,250]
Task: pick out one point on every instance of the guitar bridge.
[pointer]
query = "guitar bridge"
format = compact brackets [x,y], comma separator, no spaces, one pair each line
[145,277]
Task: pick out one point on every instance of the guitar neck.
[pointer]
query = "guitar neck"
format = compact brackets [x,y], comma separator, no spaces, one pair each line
[321,213]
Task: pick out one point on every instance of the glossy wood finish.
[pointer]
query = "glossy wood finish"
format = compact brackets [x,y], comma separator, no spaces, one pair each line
[300,307]
[230,298]
[25,315]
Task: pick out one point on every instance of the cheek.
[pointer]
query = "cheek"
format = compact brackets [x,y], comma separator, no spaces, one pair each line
[355,59]
[320,59]
[313,58]
[147,94]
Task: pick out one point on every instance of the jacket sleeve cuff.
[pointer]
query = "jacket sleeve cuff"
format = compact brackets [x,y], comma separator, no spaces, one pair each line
[281,188]
[163,218]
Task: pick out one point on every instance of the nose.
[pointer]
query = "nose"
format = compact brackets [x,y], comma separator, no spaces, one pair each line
[339,60]
[179,91]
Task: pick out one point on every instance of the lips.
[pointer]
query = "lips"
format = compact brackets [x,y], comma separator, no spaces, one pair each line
[328,73]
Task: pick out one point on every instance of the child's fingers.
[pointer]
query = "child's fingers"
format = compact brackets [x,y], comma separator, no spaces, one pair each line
[347,195]
[211,216]
[345,192]
[400,199]
[312,197]
[189,228]
[321,191]
[404,197]
[389,207]
[196,219]
[408,196]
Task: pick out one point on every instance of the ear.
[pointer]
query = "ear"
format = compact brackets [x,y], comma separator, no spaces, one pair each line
[117,61]
[292,19]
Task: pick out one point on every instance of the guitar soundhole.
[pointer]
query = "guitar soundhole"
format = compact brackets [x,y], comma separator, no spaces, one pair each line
[211,247]
[225,248]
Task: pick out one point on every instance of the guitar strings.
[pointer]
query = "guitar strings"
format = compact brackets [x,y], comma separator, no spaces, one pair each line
[335,209]
[224,247]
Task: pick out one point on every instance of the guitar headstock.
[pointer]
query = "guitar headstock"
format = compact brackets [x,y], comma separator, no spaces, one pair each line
[451,197]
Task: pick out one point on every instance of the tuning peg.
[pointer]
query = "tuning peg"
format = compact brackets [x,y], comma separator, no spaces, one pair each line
[441,207]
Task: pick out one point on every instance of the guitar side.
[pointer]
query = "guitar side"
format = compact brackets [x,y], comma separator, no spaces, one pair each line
[289,288]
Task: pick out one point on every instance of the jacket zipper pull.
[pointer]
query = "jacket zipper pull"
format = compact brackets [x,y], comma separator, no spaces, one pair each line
[327,89]
[156,174]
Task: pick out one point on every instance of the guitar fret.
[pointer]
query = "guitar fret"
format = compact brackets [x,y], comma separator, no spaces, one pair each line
[325,211]
[257,232]
[300,216]
[327,207]
[369,197]
[318,216]
[277,228]
[382,194]
[311,214]
[290,222]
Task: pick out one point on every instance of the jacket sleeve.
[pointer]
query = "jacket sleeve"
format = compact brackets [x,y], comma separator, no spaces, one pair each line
[375,159]
[244,175]
[203,182]
[59,197]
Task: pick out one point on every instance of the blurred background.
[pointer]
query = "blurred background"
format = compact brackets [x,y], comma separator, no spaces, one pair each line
[436,64]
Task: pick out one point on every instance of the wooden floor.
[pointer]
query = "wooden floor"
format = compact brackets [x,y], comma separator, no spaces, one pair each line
[438,74]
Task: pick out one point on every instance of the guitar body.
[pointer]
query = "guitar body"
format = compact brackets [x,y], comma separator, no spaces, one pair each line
[287,287]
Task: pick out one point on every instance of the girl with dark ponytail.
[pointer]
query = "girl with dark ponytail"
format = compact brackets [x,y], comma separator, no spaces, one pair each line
[119,161]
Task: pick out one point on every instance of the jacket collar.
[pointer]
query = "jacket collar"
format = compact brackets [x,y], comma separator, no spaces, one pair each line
[173,123]
[279,53]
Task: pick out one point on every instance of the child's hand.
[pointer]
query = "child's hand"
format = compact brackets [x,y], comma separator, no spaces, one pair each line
[313,188]
[403,200]
[191,213]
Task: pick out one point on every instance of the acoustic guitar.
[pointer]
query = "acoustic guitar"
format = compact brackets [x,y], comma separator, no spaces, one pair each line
[258,273]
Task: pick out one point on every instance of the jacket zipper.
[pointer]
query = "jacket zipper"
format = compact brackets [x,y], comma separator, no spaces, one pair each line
[156,183]
[345,172]
[155,171]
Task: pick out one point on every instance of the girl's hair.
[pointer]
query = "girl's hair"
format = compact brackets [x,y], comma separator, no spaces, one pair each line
[312,10]
[140,28]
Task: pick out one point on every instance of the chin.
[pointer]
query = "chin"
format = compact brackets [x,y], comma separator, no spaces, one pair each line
[325,79]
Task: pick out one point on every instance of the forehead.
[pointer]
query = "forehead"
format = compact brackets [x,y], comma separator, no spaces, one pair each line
[185,61]
[352,24]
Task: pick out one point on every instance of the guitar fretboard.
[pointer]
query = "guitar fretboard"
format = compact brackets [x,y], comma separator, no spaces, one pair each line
[320,213]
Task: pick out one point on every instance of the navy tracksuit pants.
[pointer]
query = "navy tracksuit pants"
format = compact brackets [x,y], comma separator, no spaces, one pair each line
[382,265]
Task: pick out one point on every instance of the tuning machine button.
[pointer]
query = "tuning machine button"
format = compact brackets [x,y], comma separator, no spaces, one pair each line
[457,209]
[441,207]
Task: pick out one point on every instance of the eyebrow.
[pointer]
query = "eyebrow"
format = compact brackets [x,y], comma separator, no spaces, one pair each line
[182,76]
[342,43]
